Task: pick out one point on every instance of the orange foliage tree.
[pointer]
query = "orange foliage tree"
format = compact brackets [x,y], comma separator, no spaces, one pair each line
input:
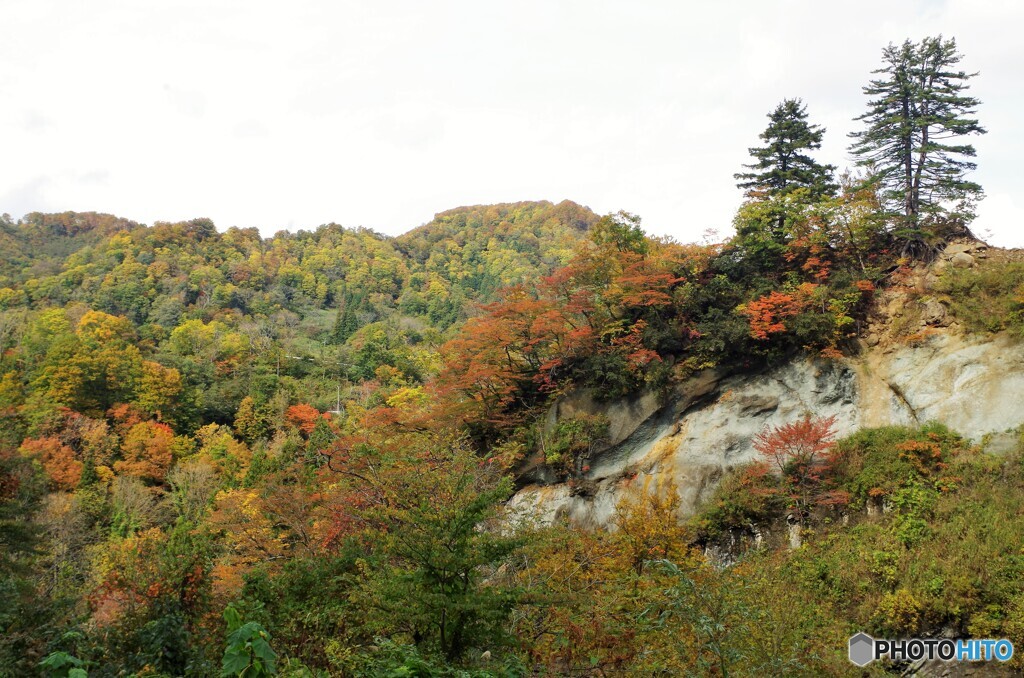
[767,313]
[304,417]
[146,451]
[602,318]
[57,459]
[495,358]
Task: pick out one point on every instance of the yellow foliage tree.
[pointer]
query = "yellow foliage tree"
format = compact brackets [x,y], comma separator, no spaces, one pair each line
[648,527]
[158,389]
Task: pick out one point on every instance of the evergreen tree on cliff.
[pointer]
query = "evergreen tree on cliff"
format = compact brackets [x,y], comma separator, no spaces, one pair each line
[911,145]
[783,165]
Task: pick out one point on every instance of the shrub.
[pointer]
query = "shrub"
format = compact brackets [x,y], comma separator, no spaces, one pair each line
[988,298]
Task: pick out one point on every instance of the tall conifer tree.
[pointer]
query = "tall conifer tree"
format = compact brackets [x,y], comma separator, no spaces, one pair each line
[782,165]
[917,112]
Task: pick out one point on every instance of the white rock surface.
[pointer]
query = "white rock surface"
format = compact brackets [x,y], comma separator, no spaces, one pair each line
[974,387]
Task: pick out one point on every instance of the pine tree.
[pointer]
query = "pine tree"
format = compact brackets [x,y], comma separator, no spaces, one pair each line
[783,165]
[346,322]
[916,112]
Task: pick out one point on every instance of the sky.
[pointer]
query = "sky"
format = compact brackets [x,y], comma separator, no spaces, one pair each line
[382,113]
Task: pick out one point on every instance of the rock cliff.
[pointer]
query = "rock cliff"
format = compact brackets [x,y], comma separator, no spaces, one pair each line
[974,385]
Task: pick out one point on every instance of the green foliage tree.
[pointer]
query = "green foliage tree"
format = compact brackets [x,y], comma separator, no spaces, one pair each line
[917,112]
[252,421]
[782,165]
[346,322]
[248,653]
[718,620]
[26,614]
[62,665]
[622,231]
[763,227]
[439,551]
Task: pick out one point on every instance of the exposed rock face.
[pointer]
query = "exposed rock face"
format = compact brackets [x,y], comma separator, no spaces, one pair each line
[962,260]
[623,415]
[974,386]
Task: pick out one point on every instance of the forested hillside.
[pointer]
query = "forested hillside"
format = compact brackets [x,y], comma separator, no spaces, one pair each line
[172,423]
[223,454]
[225,308]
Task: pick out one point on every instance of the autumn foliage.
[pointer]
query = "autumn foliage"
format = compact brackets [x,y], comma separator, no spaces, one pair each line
[800,452]
[168,386]
[304,417]
[146,452]
[767,313]
[58,460]
[604,320]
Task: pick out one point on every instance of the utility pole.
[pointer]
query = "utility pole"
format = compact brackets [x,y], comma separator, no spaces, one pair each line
[324,364]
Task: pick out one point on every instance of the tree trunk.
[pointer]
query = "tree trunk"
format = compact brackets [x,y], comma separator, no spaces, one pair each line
[908,163]
[926,86]
[921,157]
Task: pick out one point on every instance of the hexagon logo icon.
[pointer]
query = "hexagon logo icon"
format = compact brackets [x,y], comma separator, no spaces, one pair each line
[862,649]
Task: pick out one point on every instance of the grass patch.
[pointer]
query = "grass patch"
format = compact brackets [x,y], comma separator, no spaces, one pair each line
[988,298]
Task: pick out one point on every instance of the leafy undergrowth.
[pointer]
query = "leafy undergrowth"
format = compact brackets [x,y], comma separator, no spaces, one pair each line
[988,298]
[944,553]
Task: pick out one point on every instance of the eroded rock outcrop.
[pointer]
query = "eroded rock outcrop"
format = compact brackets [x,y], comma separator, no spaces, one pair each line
[973,385]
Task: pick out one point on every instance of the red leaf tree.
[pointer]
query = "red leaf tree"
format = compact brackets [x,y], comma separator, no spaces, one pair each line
[801,452]
[303,417]
[767,313]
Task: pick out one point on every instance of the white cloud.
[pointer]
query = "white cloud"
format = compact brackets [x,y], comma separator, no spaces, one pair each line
[382,114]
[1000,220]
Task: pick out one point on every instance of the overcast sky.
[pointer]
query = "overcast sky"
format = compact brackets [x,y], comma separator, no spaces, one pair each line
[379,113]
